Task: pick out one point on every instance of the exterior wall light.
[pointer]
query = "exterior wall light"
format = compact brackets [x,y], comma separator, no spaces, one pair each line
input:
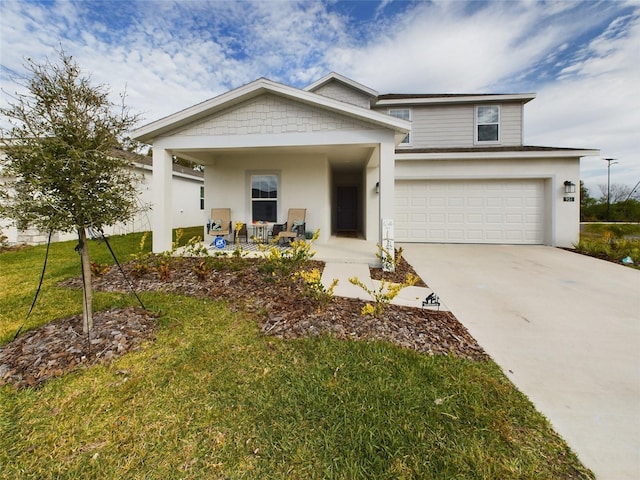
[569,187]
[377,187]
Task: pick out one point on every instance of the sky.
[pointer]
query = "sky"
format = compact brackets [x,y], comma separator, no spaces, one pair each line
[581,59]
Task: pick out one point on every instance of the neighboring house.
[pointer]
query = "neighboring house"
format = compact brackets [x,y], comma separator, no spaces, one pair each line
[186,209]
[439,168]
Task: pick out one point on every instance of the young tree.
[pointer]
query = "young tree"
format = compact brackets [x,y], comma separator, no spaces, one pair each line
[59,158]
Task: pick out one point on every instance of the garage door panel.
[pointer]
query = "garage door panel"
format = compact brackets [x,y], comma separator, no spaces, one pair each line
[470,211]
[475,202]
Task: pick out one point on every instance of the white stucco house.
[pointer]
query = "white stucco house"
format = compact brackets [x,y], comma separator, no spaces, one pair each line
[187,206]
[439,168]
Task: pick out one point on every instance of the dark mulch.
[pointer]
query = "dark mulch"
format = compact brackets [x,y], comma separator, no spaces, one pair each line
[399,275]
[59,346]
[279,307]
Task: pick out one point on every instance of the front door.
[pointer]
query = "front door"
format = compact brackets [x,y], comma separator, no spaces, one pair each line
[347,203]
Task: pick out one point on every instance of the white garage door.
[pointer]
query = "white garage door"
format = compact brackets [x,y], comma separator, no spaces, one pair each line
[470,211]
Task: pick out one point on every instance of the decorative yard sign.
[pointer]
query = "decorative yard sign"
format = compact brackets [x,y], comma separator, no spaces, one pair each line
[388,245]
[431,301]
[220,243]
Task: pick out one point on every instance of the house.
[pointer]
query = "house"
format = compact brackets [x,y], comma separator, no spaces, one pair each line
[186,209]
[417,168]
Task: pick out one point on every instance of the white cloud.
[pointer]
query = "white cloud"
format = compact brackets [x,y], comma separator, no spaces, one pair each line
[170,55]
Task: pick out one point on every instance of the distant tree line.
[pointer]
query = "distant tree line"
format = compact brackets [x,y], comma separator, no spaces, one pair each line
[623,205]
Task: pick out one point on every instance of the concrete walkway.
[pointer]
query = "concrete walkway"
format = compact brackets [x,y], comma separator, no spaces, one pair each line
[346,258]
[565,328]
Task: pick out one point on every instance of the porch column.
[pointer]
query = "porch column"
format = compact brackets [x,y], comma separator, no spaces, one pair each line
[162,200]
[387,186]
[387,180]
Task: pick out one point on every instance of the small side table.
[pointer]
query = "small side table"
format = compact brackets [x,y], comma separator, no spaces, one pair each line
[260,231]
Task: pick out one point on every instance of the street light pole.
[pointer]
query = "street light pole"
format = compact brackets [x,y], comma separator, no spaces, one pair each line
[609,160]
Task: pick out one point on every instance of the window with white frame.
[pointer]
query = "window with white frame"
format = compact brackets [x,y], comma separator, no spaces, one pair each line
[264,197]
[201,198]
[404,114]
[487,123]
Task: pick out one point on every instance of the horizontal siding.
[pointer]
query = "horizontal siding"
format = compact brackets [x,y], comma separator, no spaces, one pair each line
[511,123]
[442,126]
[345,94]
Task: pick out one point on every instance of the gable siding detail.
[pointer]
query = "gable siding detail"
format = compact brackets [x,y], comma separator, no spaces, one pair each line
[448,126]
[343,93]
[270,114]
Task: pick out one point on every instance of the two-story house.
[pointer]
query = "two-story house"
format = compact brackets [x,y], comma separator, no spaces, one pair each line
[438,168]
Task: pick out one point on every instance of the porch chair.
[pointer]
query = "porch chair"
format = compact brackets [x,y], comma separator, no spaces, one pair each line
[219,224]
[294,227]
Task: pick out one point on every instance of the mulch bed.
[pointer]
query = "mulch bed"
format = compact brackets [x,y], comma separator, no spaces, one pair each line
[278,306]
[59,346]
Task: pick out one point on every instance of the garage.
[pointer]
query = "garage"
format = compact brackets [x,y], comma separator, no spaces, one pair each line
[505,211]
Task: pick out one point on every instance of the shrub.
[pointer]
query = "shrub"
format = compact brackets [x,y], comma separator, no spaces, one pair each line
[195,248]
[282,263]
[389,262]
[99,269]
[313,288]
[202,268]
[384,295]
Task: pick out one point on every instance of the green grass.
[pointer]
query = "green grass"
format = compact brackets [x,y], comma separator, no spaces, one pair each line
[619,230]
[213,398]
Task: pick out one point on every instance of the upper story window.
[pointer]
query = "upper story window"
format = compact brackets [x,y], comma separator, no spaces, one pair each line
[201,198]
[404,114]
[488,123]
[264,198]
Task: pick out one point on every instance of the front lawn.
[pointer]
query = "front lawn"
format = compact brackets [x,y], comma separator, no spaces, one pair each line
[212,397]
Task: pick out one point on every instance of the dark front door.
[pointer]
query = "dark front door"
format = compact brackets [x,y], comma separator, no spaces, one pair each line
[347,209]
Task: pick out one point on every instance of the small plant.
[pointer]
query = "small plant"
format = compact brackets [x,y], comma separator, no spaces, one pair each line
[140,259]
[99,269]
[389,262]
[383,296]
[202,268]
[163,265]
[175,244]
[314,289]
[282,263]
[195,248]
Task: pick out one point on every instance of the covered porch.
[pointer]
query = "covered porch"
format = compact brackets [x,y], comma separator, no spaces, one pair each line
[267,148]
[343,188]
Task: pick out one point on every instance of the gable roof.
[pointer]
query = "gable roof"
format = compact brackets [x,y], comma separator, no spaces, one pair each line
[258,87]
[336,77]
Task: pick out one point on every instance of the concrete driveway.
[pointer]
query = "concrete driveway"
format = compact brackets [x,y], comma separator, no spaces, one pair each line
[565,328]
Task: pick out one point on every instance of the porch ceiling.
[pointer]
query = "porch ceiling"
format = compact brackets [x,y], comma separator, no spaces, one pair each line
[341,157]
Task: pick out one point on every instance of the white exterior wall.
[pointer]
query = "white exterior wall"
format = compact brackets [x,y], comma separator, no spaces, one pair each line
[303,183]
[561,218]
[185,208]
[451,126]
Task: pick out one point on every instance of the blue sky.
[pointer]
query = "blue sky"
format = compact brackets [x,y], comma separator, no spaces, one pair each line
[582,59]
